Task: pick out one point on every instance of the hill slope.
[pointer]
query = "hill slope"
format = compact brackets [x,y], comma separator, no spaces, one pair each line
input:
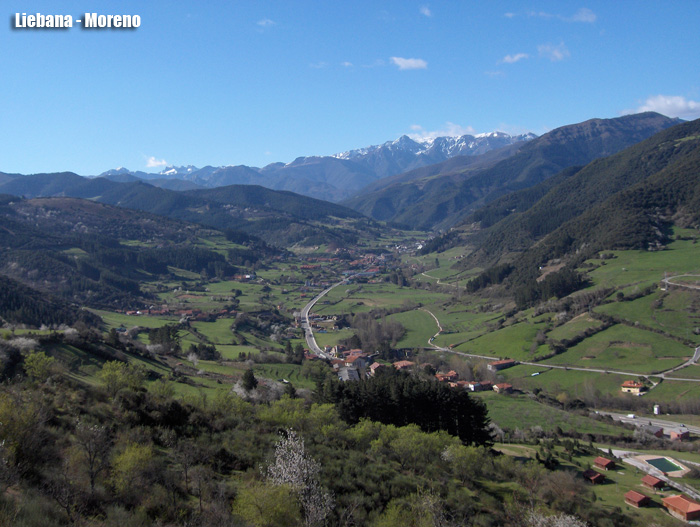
[282,218]
[441,200]
[627,201]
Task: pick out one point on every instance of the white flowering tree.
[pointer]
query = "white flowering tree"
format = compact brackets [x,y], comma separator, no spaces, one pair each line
[537,519]
[294,468]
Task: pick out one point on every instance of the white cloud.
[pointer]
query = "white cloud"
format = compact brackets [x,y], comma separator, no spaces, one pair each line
[152,162]
[318,65]
[670,105]
[346,64]
[425,11]
[512,59]
[509,15]
[409,64]
[495,73]
[552,52]
[266,22]
[583,15]
[449,130]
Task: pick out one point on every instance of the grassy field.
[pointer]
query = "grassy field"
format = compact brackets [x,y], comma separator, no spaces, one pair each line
[420,326]
[277,372]
[575,384]
[625,348]
[510,342]
[673,312]
[574,327]
[522,412]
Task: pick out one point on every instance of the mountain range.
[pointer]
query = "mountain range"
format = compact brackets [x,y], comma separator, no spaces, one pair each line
[442,195]
[331,178]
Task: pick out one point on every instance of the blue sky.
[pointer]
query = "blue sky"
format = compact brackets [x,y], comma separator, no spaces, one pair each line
[255,82]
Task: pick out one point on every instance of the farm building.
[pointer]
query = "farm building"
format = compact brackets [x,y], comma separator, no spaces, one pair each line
[634,387]
[503,387]
[403,364]
[636,499]
[656,431]
[682,507]
[679,434]
[604,463]
[501,364]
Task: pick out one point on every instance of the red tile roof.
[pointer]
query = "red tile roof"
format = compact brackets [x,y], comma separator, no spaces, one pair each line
[681,503]
[652,481]
[632,384]
[636,497]
[604,462]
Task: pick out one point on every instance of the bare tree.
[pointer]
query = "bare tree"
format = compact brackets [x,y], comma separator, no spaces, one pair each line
[295,468]
[94,443]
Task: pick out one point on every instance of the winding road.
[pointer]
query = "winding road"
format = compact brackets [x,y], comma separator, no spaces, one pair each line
[306,323]
[662,375]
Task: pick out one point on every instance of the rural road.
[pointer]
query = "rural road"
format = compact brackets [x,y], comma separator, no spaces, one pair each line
[662,375]
[643,421]
[306,323]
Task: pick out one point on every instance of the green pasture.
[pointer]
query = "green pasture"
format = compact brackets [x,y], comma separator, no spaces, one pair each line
[116,320]
[673,312]
[229,352]
[670,390]
[290,372]
[332,337]
[509,342]
[574,327]
[575,384]
[218,332]
[625,348]
[522,412]
[646,267]
[420,326]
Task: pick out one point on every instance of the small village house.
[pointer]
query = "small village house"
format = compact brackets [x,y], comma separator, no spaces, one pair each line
[679,434]
[604,463]
[634,387]
[636,499]
[503,387]
[653,483]
[594,477]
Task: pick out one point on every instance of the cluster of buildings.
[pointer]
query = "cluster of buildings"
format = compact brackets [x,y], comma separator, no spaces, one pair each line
[678,505]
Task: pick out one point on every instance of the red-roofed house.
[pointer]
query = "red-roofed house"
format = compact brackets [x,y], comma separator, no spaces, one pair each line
[501,364]
[652,482]
[636,499]
[474,386]
[503,387]
[682,508]
[450,376]
[403,364]
[594,477]
[679,434]
[356,361]
[604,463]
[632,387]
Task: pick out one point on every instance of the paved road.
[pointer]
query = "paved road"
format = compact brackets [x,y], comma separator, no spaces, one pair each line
[643,421]
[668,281]
[662,375]
[306,323]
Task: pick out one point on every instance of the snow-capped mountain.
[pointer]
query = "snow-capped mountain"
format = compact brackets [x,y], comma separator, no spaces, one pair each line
[338,176]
